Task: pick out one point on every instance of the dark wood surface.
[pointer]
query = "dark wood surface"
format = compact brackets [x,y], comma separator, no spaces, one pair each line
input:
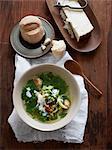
[97,65]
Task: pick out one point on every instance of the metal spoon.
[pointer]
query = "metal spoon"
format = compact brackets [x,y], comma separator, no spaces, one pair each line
[75,68]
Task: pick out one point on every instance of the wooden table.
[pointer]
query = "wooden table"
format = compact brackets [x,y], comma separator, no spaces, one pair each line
[97,66]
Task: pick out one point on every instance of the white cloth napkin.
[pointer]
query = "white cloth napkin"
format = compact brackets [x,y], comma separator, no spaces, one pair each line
[71,133]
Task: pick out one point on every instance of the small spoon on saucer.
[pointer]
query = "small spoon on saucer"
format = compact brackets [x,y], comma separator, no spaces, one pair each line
[75,68]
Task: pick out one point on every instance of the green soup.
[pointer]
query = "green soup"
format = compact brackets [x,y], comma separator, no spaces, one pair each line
[46,97]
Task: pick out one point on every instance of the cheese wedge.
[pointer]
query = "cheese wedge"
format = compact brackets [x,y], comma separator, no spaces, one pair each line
[58,48]
[76,21]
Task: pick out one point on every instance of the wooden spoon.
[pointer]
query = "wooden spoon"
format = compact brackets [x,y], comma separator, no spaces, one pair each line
[75,68]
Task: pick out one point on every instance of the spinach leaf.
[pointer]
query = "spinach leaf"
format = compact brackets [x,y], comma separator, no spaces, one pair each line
[30,84]
[30,105]
[63,114]
[54,80]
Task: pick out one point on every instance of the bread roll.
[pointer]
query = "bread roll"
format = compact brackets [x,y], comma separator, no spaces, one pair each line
[31,29]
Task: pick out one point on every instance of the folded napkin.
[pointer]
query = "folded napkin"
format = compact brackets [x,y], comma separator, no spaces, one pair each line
[71,133]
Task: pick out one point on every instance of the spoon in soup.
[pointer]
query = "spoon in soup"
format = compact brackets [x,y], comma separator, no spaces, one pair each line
[75,68]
